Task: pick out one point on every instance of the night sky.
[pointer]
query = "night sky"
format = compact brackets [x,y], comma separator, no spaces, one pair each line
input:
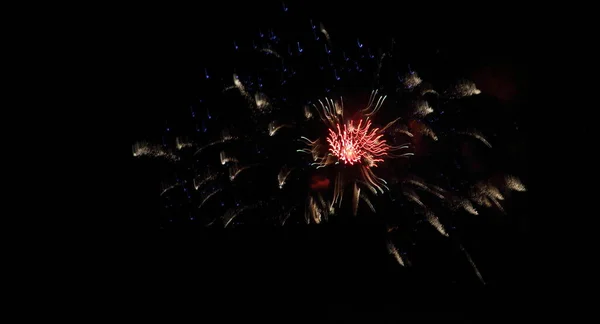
[340,272]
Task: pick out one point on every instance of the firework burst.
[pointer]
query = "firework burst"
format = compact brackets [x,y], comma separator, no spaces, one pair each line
[265,127]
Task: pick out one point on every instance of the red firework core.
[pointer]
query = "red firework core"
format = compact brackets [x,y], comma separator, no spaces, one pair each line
[356,142]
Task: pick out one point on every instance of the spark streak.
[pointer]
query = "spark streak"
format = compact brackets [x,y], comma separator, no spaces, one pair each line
[325,33]
[235,170]
[478,136]
[422,108]
[463,88]
[208,176]
[394,251]
[435,222]
[355,197]
[313,211]
[274,127]
[283,175]
[166,187]
[232,213]
[181,142]
[271,52]
[227,158]
[338,190]
[472,264]
[207,195]
[513,183]
[156,151]
[225,137]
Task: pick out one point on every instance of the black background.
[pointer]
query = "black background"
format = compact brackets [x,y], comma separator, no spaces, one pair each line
[334,273]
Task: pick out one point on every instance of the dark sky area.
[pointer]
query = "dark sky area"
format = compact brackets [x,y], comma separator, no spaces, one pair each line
[337,274]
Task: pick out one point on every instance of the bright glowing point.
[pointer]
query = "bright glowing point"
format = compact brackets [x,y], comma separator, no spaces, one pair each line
[356,142]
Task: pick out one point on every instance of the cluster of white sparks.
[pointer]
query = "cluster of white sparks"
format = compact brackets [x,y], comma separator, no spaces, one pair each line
[225,138]
[463,88]
[259,102]
[156,151]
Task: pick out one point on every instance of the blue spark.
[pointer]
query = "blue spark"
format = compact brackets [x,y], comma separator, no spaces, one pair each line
[206,73]
[359,44]
[235,45]
[299,48]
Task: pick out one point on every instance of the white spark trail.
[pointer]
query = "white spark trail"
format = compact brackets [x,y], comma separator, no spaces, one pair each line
[393,251]
[478,136]
[472,264]
[207,195]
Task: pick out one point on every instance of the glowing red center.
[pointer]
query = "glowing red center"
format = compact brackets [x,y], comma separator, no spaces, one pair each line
[356,142]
